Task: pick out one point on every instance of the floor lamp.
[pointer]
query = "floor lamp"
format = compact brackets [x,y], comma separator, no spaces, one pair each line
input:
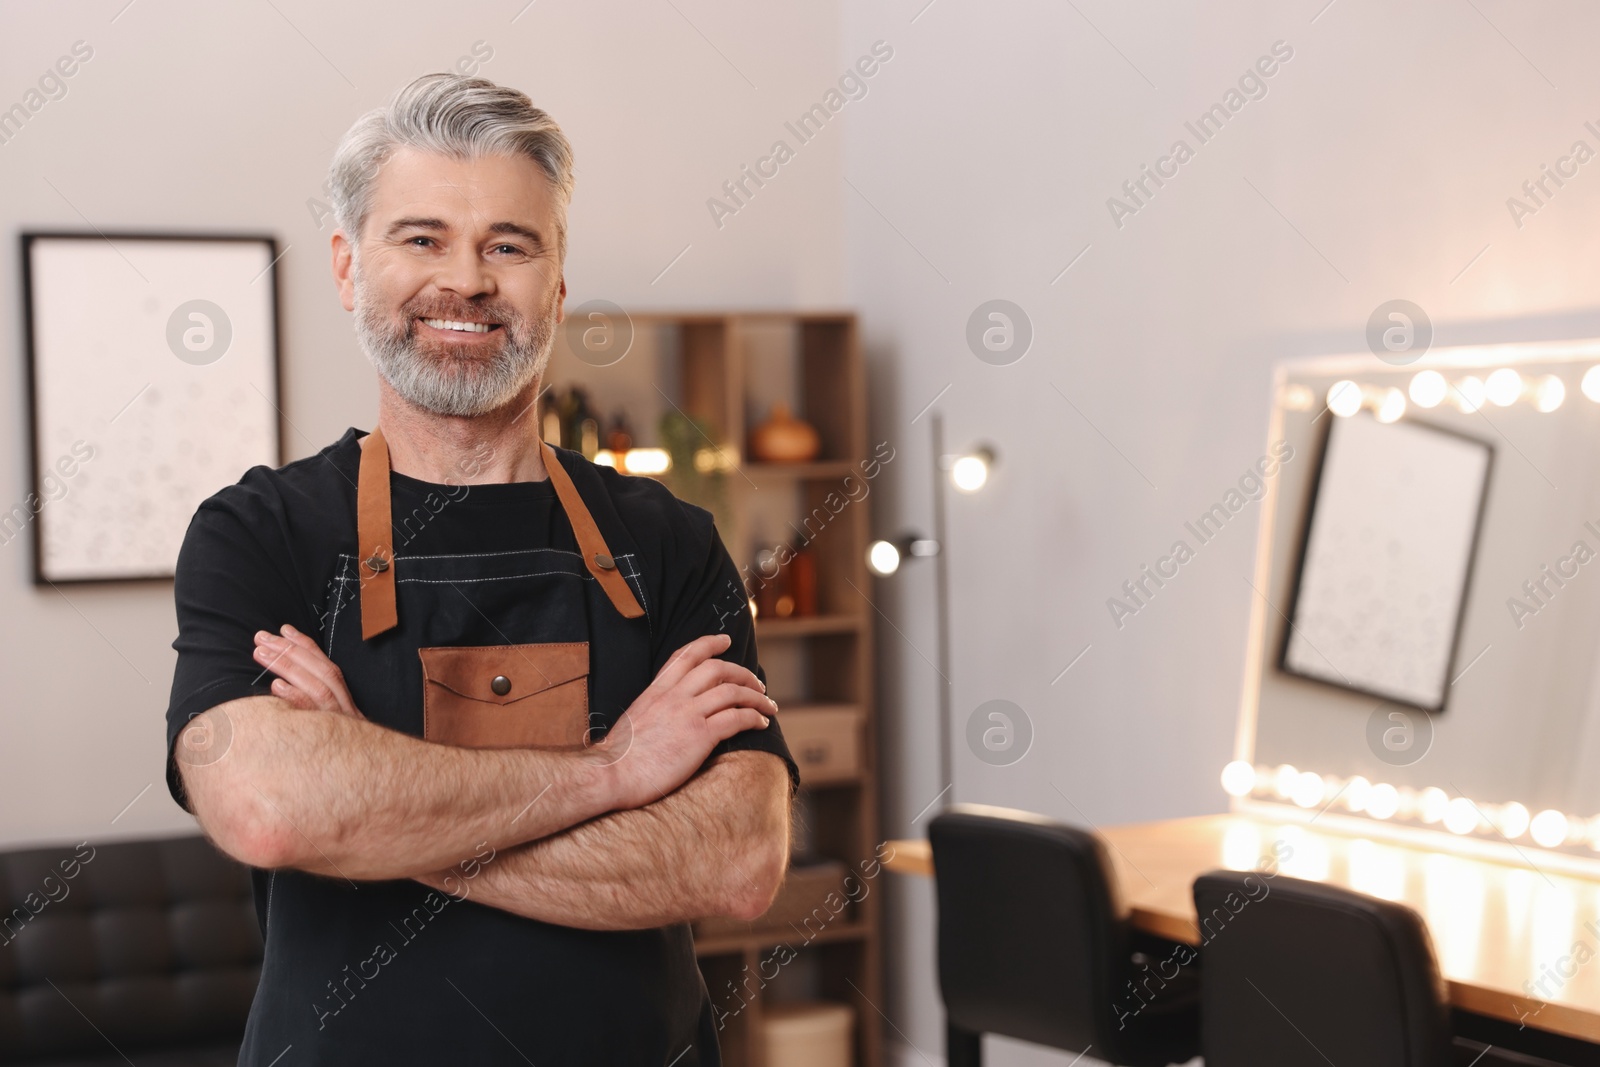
[968,472]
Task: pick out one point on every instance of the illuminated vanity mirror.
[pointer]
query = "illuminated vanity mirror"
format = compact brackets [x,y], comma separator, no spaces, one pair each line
[1425,635]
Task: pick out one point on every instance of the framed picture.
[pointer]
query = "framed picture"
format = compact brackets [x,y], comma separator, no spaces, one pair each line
[153,381]
[1390,537]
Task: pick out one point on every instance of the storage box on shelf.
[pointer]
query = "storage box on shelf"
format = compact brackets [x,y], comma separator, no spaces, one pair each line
[825,740]
[698,385]
[807,1034]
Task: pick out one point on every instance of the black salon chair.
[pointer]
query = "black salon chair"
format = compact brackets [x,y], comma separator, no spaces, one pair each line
[1298,972]
[1034,943]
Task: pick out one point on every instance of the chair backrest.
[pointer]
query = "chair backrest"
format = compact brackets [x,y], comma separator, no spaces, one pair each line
[155,942]
[1031,928]
[1301,972]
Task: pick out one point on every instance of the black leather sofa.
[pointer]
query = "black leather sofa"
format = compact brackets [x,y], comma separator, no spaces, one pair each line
[145,951]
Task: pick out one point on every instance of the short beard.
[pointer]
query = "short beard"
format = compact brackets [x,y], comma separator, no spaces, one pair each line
[463,387]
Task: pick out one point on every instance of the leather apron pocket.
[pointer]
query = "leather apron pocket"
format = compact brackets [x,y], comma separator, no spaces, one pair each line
[506,696]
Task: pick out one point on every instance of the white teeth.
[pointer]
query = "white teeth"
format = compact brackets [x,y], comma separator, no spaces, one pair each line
[450,324]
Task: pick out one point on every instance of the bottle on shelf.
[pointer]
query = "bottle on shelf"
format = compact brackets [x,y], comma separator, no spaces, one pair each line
[803,581]
[773,592]
[580,428]
[619,438]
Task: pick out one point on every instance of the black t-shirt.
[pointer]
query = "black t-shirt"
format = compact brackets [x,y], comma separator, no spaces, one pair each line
[265,551]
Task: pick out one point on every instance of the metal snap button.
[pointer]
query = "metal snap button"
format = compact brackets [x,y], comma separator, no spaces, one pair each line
[604,562]
[377,563]
[501,685]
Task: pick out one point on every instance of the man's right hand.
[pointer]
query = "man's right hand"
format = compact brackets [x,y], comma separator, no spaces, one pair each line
[666,734]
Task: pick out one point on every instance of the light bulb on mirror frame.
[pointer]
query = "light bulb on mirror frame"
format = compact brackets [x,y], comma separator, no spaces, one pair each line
[1549,828]
[1307,789]
[1383,801]
[1503,387]
[1409,799]
[1514,820]
[1297,397]
[1469,394]
[1591,383]
[1548,393]
[1432,803]
[1461,816]
[1239,778]
[1345,398]
[1391,405]
[1428,388]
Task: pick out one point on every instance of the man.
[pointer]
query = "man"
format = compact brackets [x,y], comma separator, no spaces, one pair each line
[514,739]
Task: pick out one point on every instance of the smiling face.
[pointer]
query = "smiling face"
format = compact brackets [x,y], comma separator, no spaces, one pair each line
[457,289]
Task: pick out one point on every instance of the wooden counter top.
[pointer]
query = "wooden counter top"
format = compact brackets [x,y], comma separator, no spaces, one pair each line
[1499,930]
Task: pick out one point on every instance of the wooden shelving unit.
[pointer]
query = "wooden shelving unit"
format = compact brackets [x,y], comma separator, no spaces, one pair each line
[727,370]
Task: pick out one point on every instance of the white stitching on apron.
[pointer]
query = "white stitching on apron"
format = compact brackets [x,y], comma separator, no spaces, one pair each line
[338,603]
[485,555]
[482,555]
[498,578]
[345,576]
[346,559]
[638,585]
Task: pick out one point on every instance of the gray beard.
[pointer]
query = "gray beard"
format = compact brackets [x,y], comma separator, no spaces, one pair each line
[447,385]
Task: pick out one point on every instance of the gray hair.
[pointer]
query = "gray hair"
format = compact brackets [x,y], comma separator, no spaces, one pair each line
[457,116]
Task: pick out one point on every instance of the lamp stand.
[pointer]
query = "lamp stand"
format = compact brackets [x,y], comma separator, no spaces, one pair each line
[941,609]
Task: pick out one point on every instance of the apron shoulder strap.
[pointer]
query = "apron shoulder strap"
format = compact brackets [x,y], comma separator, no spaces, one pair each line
[596,556]
[375,537]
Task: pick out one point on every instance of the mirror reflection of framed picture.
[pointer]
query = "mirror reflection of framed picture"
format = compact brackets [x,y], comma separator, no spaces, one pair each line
[153,382]
[1387,558]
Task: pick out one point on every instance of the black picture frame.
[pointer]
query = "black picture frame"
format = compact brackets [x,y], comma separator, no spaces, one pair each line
[29,242]
[1307,529]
